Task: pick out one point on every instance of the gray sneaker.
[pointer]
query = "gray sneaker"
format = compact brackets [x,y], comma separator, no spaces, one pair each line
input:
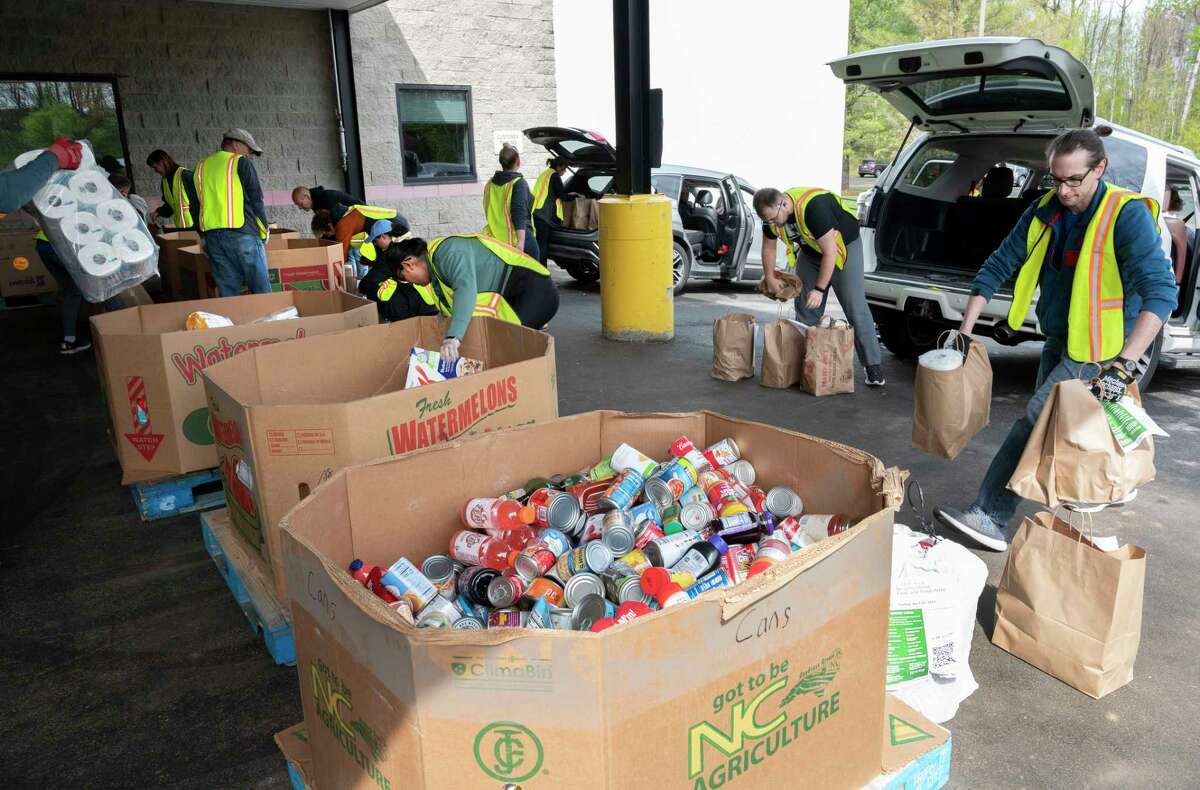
[976,525]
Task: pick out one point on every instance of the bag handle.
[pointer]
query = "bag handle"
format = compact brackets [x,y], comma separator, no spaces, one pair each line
[1085,521]
[829,322]
[959,338]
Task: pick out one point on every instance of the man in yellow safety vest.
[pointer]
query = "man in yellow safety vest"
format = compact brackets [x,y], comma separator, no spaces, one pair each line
[507,204]
[1095,252]
[231,217]
[472,275]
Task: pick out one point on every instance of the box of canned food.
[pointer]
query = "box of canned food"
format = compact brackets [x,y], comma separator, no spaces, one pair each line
[605,600]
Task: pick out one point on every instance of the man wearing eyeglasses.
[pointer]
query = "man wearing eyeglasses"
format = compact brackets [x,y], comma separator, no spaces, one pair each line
[1107,287]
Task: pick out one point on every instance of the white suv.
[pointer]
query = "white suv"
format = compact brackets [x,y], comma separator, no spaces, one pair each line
[980,105]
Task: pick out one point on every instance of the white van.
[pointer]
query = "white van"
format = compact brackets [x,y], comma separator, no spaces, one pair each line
[980,104]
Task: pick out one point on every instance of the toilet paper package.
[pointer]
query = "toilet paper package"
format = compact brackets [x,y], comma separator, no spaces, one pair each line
[100,238]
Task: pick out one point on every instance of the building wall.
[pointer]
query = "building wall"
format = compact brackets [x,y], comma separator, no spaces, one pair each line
[745,86]
[189,71]
[503,50]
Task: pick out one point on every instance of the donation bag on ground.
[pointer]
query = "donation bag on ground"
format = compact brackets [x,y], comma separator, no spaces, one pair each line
[733,347]
[829,358]
[952,399]
[1069,608]
[783,354]
[1073,454]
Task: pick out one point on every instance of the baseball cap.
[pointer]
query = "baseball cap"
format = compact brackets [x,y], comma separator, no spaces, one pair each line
[242,136]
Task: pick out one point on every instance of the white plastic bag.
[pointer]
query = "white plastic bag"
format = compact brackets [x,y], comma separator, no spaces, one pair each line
[936,586]
[98,235]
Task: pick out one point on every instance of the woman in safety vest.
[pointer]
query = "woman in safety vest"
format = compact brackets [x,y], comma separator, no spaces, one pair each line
[507,204]
[548,193]
[178,190]
[475,275]
[1106,285]
[360,232]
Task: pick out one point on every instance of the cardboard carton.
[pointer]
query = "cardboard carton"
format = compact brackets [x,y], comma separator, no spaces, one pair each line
[777,682]
[916,752]
[293,742]
[148,361]
[287,417]
[22,272]
[293,264]
[170,262]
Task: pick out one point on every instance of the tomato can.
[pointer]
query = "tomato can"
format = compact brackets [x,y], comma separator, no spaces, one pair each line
[623,490]
[554,509]
[506,590]
[723,453]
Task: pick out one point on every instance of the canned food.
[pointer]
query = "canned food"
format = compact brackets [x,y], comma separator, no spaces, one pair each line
[569,564]
[543,589]
[693,494]
[440,570]
[505,590]
[783,502]
[618,532]
[683,448]
[671,523]
[404,581]
[697,515]
[539,615]
[723,453]
[626,457]
[534,561]
[478,611]
[560,617]
[467,624]
[623,490]
[743,470]
[590,608]
[630,589]
[473,584]
[736,563]
[582,584]
[597,556]
[645,532]
[721,494]
[438,613]
[589,493]
[670,481]
[631,564]
[758,499]
[593,528]
[506,618]
[647,511]
[554,509]
[602,470]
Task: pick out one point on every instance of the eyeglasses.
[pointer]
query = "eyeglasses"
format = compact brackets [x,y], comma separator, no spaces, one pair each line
[1074,182]
[771,213]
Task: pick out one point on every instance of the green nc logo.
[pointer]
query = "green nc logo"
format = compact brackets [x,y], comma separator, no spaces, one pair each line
[458,668]
[508,751]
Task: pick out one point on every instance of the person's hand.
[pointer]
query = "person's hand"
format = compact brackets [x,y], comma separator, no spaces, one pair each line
[68,152]
[1112,382]
[814,299]
[450,349]
[771,279]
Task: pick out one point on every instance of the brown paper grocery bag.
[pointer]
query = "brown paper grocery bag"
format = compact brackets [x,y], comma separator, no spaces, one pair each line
[1069,608]
[733,347]
[1072,456]
[951,406]
[828,358]
[783,354]
[790,286]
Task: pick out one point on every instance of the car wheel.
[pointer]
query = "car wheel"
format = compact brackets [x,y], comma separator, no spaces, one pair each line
[907,336]
[584,272]
[1148,364]
[681,268]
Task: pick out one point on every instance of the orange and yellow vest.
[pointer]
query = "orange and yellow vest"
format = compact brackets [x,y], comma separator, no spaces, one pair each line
[487,303]
[370,212]
[1096,317]
[541,190]
[176,197]
[497,211]
[222,201]
[801,196]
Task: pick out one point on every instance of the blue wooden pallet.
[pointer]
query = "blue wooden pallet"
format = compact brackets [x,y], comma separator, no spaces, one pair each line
[188,493]
[248,579]
[297,779]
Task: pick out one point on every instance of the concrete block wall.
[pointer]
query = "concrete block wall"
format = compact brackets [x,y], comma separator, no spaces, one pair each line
[190,70]
[503,50]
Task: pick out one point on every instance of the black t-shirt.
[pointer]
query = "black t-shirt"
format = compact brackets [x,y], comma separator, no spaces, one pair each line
[822,214]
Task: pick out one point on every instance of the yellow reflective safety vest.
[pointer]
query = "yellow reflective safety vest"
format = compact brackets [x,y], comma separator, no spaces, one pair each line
[1096,317]
[222,200]
[41,236]
[497,210]
[541,190]
[801,196]
[370,212]
[176,197]
[487,303]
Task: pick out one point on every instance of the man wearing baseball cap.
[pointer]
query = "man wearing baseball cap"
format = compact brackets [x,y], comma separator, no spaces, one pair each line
[231,218]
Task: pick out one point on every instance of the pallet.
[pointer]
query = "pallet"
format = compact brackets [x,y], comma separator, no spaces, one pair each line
[173,496]
[32,300]
[246,574]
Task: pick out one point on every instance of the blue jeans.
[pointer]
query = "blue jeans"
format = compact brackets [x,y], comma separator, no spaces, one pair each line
[238,259]
[994,498]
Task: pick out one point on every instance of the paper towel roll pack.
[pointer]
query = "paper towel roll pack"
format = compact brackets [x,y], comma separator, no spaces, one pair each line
[100,238]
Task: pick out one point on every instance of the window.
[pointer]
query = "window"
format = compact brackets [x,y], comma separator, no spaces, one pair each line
[928,166]
[667,185]
[436,133]
[599,184]
[1126,163]
[999,90]
[35,111]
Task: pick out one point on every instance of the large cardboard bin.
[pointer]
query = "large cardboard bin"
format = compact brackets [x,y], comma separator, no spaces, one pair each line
[170,266]
[293,264]
[149,362]
[288,416]
[22,272]
[778,682]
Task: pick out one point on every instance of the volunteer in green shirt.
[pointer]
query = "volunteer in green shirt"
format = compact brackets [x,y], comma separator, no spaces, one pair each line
[475,275]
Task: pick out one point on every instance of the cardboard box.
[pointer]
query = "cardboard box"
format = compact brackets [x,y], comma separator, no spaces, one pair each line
[916,752]
[293,742]
[777,682]
[148,360]
[22,272]
[293,264]
[289,416]
[170,261]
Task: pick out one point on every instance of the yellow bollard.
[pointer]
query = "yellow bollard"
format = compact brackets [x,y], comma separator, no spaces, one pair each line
[636,302]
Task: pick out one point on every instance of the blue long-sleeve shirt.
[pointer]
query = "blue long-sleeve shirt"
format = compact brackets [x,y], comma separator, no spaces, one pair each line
[1146,274]
[17,187]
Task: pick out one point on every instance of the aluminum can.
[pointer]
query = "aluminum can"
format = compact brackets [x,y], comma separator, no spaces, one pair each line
[560,617]
[736,563]
[618,532]
[544,589]
[589,493]
[407,583]
[670,481]
[743,470]
[697,515]
[554,509]
[645,532]
[630,589]
[582,584]
[441,571]
[783,502]
[467,624]
[597,556]
[684,448]
[723,453]
[593,528]
[506,590]
[506,618]
[602,470]
[534,560]
[623,490]
[693,494]
[626,457]
[590,608]
[473,584]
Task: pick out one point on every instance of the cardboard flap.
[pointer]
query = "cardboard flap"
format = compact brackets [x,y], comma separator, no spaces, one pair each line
[907,735]
[293,742]
[890,485]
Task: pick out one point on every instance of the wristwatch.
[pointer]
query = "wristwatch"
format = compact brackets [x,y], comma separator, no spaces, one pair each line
[1130,366]
[821,290]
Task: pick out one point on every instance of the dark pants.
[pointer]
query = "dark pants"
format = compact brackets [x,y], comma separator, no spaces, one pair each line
[72,297]
[531,244]
[543,238]
[532,296]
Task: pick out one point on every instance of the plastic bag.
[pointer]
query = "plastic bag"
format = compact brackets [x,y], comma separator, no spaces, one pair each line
[426,367]
[936,586]
[198,319]
[98,235]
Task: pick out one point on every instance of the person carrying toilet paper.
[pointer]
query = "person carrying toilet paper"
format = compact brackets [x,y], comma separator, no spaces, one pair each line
[19,185]
[231,217]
